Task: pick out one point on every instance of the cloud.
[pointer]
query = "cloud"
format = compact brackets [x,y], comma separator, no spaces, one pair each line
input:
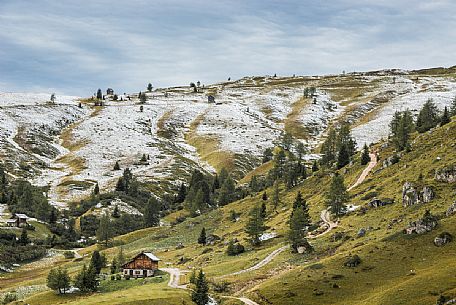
[77,47]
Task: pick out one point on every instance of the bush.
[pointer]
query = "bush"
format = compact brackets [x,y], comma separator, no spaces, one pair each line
[68,254]
[234,249]
[221,286]
[118,277]
[113,277]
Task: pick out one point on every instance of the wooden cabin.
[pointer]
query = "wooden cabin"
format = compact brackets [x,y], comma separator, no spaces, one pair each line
[142,265]
[18,220]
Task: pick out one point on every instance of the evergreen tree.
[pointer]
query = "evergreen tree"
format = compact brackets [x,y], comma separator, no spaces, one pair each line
[276,195]
[301,150]
[401,127]
[114,266]
[53,217]
[149,87]
[453,107]
[337,195]
[314,166]
[182,193]
[192,279]
[96,190]
[200,294]
[120,186]
[104,231]
[116,212]
[267,155]
[264,196]
[152,213]
[328,148]
[120,257]
[143,97]
[23,239]
[263,210]
[215,183]
[117,166]
[343,157]
[99,94]
[279,163]
[96,261]
[287,141]
[86,280]
[255,226]
[202,237]
[445,119]
[254,185]
[58,279]
[227,191]
[298,229]
[428,117]
[344,138]
[365,158]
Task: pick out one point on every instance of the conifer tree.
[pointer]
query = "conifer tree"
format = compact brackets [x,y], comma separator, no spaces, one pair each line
[104,231]
[143,97]
[328,148]
[453,107]
[116,212]
[96,190]
[298,229]
[301,150]
[264,196]
[255,226]
[343,157]
[263,210]
[99,94]
[192,279]
[58,279]
[182,193]
[149,87]
[202,237]
[53,217]
[401,127]
[23,239]
[314,166]
[120,256]
[114,266]
[337,195]
[365,158]
[117,166]
[96,261]
[428,117]
[200,295]
[276,195]
[445,119]
[152,213]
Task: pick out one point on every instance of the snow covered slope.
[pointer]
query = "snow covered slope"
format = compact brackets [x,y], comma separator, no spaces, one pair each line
[71,148]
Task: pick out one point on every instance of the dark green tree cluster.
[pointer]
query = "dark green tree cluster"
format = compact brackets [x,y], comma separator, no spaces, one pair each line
[128,183]
[152,213]
[339,147]
[309,91]
[255,225]
[200,295]
[337,196]
[22,197]
[58,279]
[105,230]
[428,117]
[234,249]
[202,237]
[299,223]
[365,158]
[401,127]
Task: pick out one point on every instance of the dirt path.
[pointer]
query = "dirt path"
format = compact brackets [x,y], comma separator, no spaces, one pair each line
[326,218]
[366,171]
[174,279]
[262,263]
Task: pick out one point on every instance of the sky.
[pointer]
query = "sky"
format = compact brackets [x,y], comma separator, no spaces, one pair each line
[76,47]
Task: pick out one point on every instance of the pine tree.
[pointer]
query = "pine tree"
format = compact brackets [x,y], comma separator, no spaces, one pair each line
[276,195]
[149,87]
[182,193]
[96,190]
[104,231]
[53,217]
[192,279]
[365,158]
[116,212]
[202,237]
[58,279]
[267,155]
[143,97]
[343,157]
[99,94]
[255,226]
[314,166]
[453,107]
[263,210]
[401,127]
[152,213]
[120,186]
[226,191]
[86,279]
[328,148]
[298,229]
[264,196]
[200,294]
[279,163]
[445,119]
[301,150]
[114,266]
[337,195]
[117,166]
[428,117]
[344,138]
[287,141]
[23,239]
[120,257]
[215,183]
[96,261]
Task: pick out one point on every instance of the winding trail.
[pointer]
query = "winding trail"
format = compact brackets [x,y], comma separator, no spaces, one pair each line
[366,171]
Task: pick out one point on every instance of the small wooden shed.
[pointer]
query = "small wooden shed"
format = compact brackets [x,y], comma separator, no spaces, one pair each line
[142,265]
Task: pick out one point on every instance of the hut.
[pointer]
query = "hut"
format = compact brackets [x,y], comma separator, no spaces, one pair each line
[142,265]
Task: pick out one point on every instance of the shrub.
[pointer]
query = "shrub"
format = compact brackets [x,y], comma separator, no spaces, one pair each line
[234,249]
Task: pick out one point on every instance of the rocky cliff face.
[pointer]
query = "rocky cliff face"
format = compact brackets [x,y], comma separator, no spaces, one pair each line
[412,196]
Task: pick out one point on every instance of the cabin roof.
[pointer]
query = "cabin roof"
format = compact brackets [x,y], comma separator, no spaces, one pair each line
[151,256]
[21,216]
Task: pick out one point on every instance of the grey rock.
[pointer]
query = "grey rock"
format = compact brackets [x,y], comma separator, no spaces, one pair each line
[442,239]
[411,196]
[361,232]
[451,210]
[447,174]
[375,203]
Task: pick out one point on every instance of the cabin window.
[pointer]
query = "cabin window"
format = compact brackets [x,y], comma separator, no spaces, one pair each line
[137,271]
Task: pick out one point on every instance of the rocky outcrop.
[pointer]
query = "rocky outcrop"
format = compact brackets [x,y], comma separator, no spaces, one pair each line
[451,210]
[212,239]
[423,225]
[375,203]
[411,196]
[391,160]
[352,261]
[443,239]
[447,174]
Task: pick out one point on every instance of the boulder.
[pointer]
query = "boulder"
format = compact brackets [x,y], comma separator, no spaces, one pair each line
[212,239]
[423,225]
[361,232]
[409,195]
[391,160]
[451,210]
[447,174]
[375,203]
[442,239]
